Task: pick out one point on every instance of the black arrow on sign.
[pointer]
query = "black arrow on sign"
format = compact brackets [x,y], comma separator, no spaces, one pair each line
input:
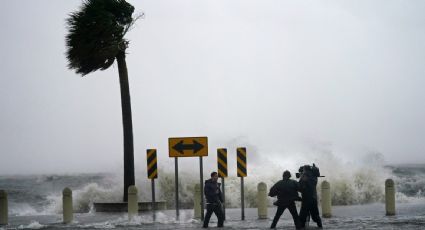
[196,146]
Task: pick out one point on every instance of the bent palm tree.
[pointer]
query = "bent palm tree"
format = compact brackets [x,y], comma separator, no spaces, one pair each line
[95,40]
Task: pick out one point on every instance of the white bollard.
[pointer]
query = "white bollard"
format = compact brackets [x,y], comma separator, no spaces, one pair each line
[133,205]
[197,202]
[262,200]
[68,214]
[389,197]
[326,200]
[3,208]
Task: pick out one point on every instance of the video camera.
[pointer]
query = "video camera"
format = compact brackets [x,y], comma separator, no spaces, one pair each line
[310,171]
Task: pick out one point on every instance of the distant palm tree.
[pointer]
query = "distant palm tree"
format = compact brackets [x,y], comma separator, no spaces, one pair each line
[95,40]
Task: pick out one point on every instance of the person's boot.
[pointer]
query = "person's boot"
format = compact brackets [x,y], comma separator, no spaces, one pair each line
[319,223]
[220,224]
[299,227]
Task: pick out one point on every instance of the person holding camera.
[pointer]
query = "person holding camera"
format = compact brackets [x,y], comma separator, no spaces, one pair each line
[308,181]
[286,191]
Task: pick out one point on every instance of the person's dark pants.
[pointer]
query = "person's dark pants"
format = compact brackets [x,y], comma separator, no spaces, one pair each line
[292,209]
[217,209]
[310,207]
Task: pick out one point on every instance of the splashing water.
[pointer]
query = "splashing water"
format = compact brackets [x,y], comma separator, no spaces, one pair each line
[352,182]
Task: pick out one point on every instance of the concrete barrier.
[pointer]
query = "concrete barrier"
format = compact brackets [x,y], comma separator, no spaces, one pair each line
[68,212]
[4,212]
[262,200]
[326,200]
[133,207]
[389,197]
[197,202]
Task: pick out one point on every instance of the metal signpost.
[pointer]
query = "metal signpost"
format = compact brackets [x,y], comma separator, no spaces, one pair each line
[188,147]
[222,172]
[176,185]
[241,171]
[201,178]
[152,174]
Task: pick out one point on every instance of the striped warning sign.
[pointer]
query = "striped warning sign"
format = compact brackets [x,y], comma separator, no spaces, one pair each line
[151,159]
[241,162]
[222,162]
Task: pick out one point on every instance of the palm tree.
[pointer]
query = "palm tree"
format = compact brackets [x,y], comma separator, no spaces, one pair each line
[95,39]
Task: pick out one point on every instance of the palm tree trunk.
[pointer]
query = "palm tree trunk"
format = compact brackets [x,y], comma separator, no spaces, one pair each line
[127,124]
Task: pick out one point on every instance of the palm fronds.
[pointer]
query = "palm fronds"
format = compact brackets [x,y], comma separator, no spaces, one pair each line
[96,34]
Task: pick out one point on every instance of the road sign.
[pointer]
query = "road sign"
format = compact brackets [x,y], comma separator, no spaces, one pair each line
[222,172]
[241,171]
[151,160]
[241,162]
[152,174]
[188,146]
[222,162]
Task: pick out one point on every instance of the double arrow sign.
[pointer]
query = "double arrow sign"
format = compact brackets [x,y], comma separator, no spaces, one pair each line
[188,146]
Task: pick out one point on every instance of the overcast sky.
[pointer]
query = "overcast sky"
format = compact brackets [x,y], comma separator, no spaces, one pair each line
[284,77]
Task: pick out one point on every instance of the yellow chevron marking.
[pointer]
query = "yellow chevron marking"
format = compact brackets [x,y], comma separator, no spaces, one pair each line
[152,163]
[221,162]
[240,173]
[221,174]
[153,174]
[152,151]
[241,162]
[242,151]
[223,152]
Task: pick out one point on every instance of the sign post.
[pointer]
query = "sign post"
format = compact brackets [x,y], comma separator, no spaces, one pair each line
[241,172]
[176,185]
[201,178]
[188,147]
[222,172]
[152,174]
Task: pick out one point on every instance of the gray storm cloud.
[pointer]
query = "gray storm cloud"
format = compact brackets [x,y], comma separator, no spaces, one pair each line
[281,76]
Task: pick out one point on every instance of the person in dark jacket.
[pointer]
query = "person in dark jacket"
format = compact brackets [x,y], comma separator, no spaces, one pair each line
[286,191]
[214,200]
[308,183]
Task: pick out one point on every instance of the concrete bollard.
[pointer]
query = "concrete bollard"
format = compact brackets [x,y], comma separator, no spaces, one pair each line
[197,202]
[389,197]
[262,200]
[133,205]
[326,200]
[68,212]
[4,213]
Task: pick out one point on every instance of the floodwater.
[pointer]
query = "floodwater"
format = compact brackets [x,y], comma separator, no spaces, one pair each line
[35,202]
[410,215]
